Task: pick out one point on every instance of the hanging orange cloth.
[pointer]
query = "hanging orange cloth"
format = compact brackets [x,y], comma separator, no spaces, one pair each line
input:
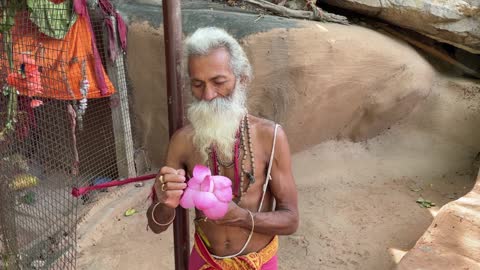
[56,67]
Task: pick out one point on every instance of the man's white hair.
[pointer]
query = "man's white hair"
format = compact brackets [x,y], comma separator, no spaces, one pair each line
[206,39]
[216,122]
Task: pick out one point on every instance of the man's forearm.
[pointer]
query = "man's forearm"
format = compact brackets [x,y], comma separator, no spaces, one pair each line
[163,216]
[278,222]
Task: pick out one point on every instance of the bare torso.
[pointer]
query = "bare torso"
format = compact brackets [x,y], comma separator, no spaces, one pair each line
[228,240]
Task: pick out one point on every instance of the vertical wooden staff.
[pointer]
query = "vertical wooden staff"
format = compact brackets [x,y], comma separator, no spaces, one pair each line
[172,25]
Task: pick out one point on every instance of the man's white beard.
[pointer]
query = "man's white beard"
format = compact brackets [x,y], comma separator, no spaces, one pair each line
[216,122]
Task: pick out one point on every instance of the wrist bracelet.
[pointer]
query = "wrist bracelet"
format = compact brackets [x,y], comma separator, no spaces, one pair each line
[158,223]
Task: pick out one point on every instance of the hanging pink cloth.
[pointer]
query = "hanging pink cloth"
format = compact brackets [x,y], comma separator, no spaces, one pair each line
[108,10]
[81,9]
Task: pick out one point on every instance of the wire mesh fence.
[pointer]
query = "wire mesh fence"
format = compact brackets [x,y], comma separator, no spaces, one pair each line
[64,123]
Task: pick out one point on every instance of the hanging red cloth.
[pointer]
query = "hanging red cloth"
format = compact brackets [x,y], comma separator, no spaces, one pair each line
[108,10]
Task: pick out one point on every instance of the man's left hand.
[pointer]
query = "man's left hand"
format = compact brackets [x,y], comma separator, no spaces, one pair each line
[235,216]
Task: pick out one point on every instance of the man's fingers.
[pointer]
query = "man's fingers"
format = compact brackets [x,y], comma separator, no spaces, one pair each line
[167,170]
[181,172]
[173,178]
[171,175]
[174,193]
[174,186]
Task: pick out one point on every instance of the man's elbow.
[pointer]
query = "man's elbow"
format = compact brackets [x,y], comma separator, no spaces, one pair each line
[155,229]
[293,224]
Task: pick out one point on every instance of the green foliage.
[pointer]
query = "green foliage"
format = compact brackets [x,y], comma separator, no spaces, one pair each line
[425,203]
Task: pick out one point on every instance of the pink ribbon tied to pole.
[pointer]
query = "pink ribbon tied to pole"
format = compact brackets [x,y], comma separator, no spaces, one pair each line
[76,192]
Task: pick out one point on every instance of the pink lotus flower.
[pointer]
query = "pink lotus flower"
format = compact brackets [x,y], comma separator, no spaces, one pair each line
[207,192]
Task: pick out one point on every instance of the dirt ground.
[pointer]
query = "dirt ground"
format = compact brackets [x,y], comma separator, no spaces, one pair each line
[357,200]
[352,216]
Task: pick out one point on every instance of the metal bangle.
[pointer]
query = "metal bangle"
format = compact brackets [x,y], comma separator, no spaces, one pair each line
[162,224]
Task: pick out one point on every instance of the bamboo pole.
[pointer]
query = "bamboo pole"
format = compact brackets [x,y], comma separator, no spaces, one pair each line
[172,23]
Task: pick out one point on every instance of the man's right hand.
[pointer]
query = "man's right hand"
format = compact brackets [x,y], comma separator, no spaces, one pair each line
[169,186]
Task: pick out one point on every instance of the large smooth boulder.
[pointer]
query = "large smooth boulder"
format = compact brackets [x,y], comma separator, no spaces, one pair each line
[320,81]
[456,22]
[453,239]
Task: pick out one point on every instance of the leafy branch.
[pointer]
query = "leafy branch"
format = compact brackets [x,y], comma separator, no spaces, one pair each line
[315,15]
[8,21]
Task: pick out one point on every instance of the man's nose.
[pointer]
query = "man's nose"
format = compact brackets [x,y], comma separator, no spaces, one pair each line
[209,93]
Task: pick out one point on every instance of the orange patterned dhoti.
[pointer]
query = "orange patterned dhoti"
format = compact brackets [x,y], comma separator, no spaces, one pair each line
[265,259]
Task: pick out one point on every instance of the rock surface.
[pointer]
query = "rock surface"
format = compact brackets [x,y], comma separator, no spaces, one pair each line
[452,241]
[456,22]
[307,77]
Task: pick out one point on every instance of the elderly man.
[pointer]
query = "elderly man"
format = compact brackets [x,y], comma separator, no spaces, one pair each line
[251,151]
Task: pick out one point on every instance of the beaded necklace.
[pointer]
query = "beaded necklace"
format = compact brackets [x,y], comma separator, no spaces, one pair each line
[242,137]
[246,132]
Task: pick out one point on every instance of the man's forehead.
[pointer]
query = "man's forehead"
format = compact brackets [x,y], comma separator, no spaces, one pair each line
[217,54]
[216,63]
[214,77]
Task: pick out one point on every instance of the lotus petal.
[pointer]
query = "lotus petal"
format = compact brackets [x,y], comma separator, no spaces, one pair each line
[207,185]
[204,200]
[223,194]
[200,172]
[216,212]
[221,181]
[194,183]
[187,198]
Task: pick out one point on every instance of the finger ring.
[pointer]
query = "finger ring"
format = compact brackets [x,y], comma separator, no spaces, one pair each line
[163,188]
[161,179]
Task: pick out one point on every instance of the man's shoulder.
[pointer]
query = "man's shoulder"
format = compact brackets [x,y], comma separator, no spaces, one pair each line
[180,144]
[184,132]
[260,120]
[265,128]
[182,136]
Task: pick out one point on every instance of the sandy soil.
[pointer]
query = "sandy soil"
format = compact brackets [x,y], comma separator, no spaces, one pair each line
[357,200]
[357,210]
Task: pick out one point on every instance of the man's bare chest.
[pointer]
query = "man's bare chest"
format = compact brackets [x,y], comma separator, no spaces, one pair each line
[250,189]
